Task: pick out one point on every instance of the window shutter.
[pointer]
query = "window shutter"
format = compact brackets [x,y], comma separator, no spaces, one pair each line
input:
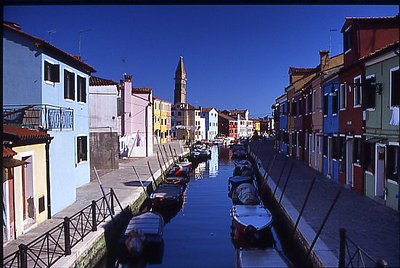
[47,71]
[55,73]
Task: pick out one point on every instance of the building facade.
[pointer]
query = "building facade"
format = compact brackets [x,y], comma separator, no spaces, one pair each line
[211,122]
[54,87]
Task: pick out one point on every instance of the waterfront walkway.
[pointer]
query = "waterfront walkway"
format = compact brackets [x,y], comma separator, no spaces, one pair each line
[124,183]
[373,226]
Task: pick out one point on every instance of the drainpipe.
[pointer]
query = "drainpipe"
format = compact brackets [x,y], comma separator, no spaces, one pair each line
[147,124]
[48,188]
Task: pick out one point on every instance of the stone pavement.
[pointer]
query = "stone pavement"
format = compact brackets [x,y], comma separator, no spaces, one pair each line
[123,181]
[373,226]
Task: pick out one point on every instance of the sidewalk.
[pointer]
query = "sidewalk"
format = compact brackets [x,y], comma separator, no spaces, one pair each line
[123,181]
[373,226]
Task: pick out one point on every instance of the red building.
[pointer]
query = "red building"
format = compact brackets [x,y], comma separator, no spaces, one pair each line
[227,125]
[361,36]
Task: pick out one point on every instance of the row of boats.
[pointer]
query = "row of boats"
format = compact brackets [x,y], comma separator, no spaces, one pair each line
[143,236]
[251,221]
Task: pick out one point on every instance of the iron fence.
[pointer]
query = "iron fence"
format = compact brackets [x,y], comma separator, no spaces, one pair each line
[47,249]
[43,116]
[351,255]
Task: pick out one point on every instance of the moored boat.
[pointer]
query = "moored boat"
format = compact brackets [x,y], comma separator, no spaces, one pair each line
[143,231]
[235,181]
[245,194]
[178,171]
[167,195]
[251,225]
[177,179]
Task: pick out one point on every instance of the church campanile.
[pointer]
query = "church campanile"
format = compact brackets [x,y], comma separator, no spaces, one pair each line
[180,83]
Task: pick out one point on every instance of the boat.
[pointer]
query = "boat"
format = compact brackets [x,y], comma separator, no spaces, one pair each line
[177,179]
[255,257]
[242,162]
[184,164]
[235,181]
[245,194]
[167,195]
[251,225]
[178,171]
[200,151]
[243,170]
[143,232]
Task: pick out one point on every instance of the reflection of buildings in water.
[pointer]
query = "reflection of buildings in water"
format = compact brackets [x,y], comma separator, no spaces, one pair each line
[200,170]
[224,153]
[213,162]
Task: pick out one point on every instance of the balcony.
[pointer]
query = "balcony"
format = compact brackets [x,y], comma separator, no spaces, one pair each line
[41,116]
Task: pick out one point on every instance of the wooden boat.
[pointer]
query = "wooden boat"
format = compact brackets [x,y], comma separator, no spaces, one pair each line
[143,231]
[242,162]
[243,170]
[167,195]
[235,181]
[186,164]
[251,225]
[177,171]
[177,180]
[245,194]
[257,258]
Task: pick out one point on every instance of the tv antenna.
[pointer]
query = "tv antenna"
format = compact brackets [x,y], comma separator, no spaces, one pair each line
[80,37]
[330,39]
[51,32]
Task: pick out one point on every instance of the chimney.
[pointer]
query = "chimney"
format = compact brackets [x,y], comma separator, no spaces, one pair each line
[127,77]
[324,58]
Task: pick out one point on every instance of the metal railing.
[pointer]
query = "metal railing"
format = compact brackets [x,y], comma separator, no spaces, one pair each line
[351,255]
[48,248]
[43,116]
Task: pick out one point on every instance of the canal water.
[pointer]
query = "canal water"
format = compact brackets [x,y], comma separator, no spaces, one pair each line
[198,234]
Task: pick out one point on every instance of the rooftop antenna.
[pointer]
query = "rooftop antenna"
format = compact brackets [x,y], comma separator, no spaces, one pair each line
[51,32]
[330,39]
[80,37]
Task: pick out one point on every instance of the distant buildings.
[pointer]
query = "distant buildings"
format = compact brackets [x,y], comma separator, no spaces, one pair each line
[342,117]
[161,120]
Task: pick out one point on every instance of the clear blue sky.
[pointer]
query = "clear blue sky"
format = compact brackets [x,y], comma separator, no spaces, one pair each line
[236,57]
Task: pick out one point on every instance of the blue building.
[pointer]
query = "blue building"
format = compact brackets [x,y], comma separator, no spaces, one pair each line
[211,122]
[332,141]
[283,135]
[49,88]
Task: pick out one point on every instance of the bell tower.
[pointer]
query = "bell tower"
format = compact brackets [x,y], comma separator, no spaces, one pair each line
[180,83]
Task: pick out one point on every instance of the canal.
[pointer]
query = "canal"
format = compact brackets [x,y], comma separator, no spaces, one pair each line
[198,233]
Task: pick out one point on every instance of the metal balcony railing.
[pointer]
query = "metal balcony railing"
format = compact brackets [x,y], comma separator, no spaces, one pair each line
[41,116]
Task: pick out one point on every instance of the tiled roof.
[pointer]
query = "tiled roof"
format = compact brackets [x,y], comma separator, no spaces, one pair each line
[39,43]
[97,81]
[297,70]
[24,134]
[141,90]
[157,98]
[350,20]
[381,51]
[206,110]
[8,152]
[236,112]
[225,116]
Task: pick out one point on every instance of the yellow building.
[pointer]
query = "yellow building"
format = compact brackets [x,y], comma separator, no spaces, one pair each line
[161,120]
[25,180]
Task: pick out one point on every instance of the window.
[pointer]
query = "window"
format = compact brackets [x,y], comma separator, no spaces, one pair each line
[357,151]
[179,113]
[81,88]
[69,85]
[119,106]
[357,91]
[81,148]
[342,97]
[370,92]
[294,110]
[325,104]
[325,146]
[393,163]
[335,102]
[370,157]
[51,72]
[395,87]
[309,103]
[347,40]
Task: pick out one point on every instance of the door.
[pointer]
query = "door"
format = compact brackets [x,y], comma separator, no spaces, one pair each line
[380,158]
[28,204]
[310,148]
[330,156]
[349,162]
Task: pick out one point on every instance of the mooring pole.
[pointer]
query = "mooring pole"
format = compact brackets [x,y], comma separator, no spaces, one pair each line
[304,205]
[166,154]
[102,190]
[170,149]
[151,173]
[140,180]
[280,176]
[286,182]
[176,155]
[322,226]
[162,171]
